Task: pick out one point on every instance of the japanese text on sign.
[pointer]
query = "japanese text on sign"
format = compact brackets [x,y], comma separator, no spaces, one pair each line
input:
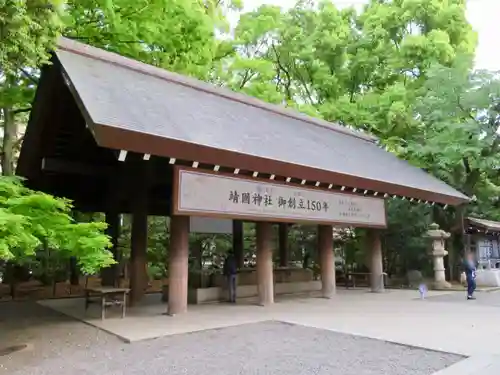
[282,202]
[200,192]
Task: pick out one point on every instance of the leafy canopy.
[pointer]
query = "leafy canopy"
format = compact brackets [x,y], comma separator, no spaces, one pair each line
[32,220]
[28,31]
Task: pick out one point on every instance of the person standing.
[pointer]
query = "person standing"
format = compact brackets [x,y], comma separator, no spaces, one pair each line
[230,271]
[470,274]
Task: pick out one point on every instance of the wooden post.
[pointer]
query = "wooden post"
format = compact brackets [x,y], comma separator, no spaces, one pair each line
[374,247]
[109,275]
[238,243]
[178,265]
[138,261]
[283,244]
[138,196]
[265,284]
[327,260]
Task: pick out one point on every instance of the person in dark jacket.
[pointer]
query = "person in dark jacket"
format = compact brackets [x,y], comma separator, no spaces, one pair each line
[470,274]
[230,271]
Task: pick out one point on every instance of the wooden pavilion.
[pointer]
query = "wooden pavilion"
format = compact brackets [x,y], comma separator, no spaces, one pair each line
[119,136]
[483,239]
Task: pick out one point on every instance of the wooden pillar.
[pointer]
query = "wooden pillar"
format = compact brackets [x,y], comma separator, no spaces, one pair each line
[327,260]
[178,265]
[238,243]
[138,197]
[109,275]
[374,247]
[283,244]
[265,284]
[138,252]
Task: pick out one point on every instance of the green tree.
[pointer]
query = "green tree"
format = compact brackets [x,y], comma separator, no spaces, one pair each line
[404,242]
[359,70]
[458,114]
[178,35]
[250,69]
[383,70]
[34,221]
[28,31]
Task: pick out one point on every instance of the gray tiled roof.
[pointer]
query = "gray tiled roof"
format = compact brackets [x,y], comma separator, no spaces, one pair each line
[118,96]
[488,224]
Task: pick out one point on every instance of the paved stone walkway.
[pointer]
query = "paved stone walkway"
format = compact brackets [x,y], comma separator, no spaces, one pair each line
[491,299]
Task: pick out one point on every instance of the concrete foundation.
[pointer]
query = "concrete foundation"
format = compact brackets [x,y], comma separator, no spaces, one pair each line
[219,294]
[488,278]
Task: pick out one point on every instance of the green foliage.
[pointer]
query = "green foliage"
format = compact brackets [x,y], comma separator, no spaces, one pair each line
[178,35]
[458,141]
[16,240]
[404,242]
[33,221]
[28,30]
[400,69]
[359,70]
[87,242]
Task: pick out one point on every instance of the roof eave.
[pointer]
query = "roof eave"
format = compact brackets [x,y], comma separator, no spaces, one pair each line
[480,223]
[122,139]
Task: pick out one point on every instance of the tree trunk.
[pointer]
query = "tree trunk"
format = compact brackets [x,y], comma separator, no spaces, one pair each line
[456,243]
[9,133]
[73,271]
[10,273]
[9,141]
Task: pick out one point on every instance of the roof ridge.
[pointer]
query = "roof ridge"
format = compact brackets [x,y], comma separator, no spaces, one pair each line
[86,50]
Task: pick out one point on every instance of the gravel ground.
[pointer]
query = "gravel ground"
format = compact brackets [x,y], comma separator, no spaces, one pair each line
[47,333]
[62,346]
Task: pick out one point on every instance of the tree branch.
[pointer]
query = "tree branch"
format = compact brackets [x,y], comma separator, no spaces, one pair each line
[464,110]
[21,110]
[90,39]
[29,76]
[18,142]
[287,74]
[466,165]
[246,78]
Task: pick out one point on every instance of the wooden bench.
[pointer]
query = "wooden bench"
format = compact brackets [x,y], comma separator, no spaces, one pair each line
[352,277]
[107,296]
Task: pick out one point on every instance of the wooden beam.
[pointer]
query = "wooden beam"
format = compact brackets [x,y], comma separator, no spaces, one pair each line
[74,167]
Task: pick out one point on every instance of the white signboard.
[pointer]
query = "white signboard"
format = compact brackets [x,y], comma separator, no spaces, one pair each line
[201,194]
[211,225]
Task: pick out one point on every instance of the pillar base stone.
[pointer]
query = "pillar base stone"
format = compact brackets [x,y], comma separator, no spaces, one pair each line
[328,296]
[441,285]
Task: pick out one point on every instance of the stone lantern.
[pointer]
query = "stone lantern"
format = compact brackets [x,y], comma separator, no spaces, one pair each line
[438,237]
